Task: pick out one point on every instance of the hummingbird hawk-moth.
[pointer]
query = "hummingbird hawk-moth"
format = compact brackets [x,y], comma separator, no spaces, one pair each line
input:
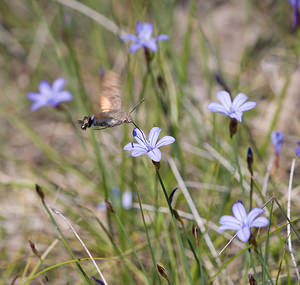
[111,113]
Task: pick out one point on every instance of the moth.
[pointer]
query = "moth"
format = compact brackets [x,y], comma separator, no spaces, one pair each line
[111,113]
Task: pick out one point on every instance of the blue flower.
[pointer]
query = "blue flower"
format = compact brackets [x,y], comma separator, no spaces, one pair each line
[144,38]
[149,147]
[277,140]
[296,7]
[49,95]
[234,109]
[241,222]
[297,149]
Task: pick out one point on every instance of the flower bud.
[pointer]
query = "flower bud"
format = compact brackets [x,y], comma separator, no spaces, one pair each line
[39,191]
[250,160]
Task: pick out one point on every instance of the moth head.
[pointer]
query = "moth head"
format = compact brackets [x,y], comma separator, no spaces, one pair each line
[86,122]
[128,119]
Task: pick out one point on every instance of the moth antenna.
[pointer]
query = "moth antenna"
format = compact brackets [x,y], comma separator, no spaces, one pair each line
[138,104]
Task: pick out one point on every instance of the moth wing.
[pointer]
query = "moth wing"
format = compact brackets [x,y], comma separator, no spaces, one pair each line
[110,99]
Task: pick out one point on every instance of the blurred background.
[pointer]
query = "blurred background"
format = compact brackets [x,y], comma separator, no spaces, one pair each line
[251,45]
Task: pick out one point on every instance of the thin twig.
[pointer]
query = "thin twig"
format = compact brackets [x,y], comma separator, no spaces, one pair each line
[288,227]
[82,243]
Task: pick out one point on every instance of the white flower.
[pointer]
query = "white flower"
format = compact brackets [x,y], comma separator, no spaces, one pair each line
[234,109]
[241,222]
[149,147]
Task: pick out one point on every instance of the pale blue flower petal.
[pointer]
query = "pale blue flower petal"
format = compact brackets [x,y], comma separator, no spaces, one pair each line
[277,139]
[247,106]
[253,214]
[239,211]
[101,206]
[243,234]
[33,96]
[259,222]
[45,87]
[129,37]
[138,27]
[239,100]
[228,228]
[165,141]
[153,136]
[297,151]
[135,47]
[231,222]
[224,98]
[127,200]
[215,107]
[236,115]
[58,84]
[134,146]
[146,31]
[152,45]
[162,38]
[140,137]
[155,154]
[38,104]
[138,152]
[63,96]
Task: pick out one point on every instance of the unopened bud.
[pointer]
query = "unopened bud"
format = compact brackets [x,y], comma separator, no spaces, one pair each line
[233,125]
[34,250]
[250,160]
[97,280]
[195,231]
[172,195]
[177,217]
[161,82]
[109,206]
[252,280]
[162,271]
[39,191]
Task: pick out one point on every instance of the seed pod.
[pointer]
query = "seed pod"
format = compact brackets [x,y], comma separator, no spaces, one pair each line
[195,231]
[162,271]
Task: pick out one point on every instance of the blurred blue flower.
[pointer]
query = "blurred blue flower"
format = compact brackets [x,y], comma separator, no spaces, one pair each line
[149,147]
[241,222]
[49,95]
[297,149]
[234,109]
[296,7]
[144,38]
[277,140]
[127,199]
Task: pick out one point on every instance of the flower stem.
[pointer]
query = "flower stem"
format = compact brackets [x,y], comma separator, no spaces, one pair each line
[176,228]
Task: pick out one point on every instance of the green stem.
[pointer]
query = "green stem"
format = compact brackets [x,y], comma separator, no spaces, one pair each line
[176,228]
